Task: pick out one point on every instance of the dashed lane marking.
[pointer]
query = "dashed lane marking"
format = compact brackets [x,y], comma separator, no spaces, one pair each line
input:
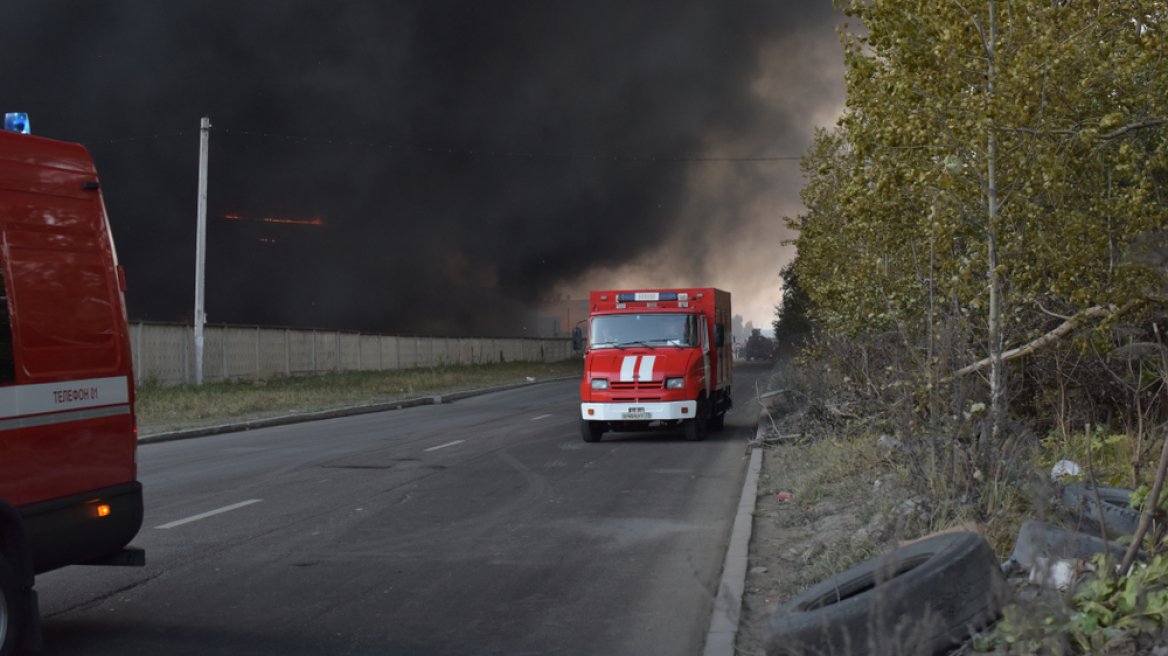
[443,446]
[540,417]
[209,513]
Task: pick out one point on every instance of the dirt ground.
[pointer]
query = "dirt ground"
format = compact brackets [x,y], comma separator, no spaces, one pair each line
[844,507]
[788,539]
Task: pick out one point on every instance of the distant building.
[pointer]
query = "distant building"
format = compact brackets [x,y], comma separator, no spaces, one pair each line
[560,314]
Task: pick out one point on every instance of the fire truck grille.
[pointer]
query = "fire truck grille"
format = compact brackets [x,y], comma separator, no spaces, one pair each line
[636,399]
[622,387]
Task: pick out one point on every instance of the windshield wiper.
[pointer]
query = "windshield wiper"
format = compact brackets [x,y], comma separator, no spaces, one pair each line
[624,344]
[608,345]
[670,342]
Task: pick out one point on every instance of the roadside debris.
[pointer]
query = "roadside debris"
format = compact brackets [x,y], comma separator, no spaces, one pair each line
[1065,468]
[951,580]
[890,444]
[1039,540]
[1059,573]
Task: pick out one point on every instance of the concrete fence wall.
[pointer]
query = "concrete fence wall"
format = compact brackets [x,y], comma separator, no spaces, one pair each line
[164,352]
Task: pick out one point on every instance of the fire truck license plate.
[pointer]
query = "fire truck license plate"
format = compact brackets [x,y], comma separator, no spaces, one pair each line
[636,413]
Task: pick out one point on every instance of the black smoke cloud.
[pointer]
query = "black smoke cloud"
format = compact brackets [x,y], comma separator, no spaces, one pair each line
[464,158]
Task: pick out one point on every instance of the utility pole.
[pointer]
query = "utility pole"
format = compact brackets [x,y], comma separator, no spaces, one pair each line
[201,248]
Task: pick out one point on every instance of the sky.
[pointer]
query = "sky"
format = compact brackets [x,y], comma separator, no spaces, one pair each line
[434,167]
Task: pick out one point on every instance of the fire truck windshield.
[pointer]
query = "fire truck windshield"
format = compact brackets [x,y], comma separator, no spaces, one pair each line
[651,330]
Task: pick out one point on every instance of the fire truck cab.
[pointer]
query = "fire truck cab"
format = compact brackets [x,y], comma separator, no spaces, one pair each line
[68,440]
[656,358]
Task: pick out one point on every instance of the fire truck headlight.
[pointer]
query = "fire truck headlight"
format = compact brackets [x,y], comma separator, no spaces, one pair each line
[599,383]
[674,383]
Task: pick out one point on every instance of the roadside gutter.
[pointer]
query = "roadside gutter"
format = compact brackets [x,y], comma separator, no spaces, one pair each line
[723,630]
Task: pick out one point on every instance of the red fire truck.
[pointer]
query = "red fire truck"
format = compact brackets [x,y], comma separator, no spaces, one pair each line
[656,358]
[68,441]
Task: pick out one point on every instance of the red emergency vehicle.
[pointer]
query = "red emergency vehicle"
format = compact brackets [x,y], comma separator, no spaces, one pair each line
[68,441]
[657,358]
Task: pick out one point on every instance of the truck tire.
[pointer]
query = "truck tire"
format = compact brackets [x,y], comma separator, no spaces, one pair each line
[923,598]
[591,431]
[695,429]
[11,609]
[1118,515]
[717,422]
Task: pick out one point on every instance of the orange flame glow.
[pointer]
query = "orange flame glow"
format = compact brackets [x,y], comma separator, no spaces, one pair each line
[317,221]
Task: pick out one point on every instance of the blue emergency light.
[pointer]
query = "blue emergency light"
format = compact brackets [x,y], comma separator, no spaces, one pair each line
[16,122]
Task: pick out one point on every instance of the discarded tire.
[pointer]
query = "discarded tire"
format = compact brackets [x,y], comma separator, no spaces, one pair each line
[923,598]
[1041,540]
[1119,517]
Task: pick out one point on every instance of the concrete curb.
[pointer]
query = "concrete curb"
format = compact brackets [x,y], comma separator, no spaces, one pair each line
[283,420]
[728,604]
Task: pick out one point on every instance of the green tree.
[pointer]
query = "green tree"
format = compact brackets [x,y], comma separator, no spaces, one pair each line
[792,324]
[994,159]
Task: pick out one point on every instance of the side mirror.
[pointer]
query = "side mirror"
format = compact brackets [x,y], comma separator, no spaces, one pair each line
[719,335]
[577,339]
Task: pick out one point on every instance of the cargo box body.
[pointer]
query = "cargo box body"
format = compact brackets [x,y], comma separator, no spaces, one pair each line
[68,442]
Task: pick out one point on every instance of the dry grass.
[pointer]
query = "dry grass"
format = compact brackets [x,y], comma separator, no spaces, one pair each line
[838,474]
[169,408]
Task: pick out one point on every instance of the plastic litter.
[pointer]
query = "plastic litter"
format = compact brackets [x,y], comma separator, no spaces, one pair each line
[1058,573]
[1012,567]
[783,496]
[1065,468]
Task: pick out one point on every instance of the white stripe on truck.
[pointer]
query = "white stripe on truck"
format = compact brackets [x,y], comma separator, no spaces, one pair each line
[628,366]
[646,373]
[43,398]
[62,417]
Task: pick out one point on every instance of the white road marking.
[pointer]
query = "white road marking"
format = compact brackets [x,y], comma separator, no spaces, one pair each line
[443,446]
[209,513]
[540,417]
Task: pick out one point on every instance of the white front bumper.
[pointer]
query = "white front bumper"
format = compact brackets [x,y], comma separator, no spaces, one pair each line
[623,411]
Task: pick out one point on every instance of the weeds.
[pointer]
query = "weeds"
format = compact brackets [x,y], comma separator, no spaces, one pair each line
[165,408]
[1099,401]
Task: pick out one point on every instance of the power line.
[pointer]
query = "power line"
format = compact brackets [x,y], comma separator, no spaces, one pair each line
[138,138]
[439,150]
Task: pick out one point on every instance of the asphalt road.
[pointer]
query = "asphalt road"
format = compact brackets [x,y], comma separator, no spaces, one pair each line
[484,526]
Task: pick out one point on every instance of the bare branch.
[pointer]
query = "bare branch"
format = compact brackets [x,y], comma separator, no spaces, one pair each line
[1056,316]
[1114,134]
[1131,127]
[1063,330]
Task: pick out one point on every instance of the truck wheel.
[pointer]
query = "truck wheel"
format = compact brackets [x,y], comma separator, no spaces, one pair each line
[591,431]
[717,422]
[11,609]
[695,429]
